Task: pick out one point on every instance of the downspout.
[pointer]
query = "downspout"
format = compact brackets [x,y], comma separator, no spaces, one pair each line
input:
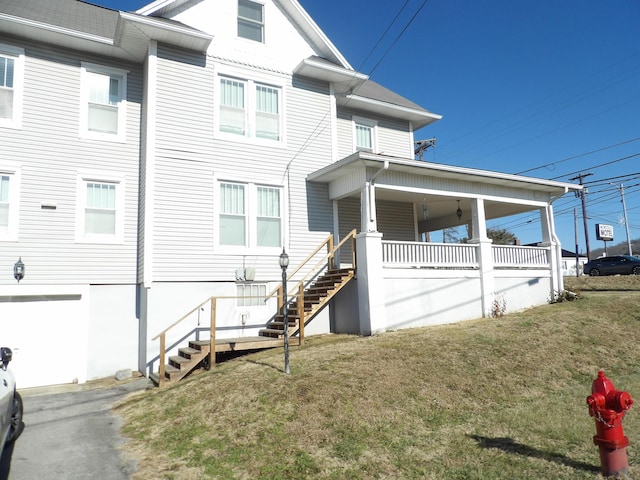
[372,182]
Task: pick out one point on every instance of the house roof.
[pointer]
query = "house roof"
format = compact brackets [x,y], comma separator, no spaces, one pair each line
[83,26]
[443,188]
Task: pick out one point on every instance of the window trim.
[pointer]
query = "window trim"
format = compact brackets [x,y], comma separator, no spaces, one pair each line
[251,218]
[15,176]
[85,70]
[18,85]
[248,20]
[250,110]
[83,179]
[365,122]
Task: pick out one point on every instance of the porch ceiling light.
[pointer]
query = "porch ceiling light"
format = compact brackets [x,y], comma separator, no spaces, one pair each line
[18,270]
[459,211]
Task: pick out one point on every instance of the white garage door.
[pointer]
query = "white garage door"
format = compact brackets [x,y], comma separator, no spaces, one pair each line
[47,329]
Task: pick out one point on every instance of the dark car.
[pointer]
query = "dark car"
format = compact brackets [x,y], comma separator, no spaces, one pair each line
[615,265]
[10,402]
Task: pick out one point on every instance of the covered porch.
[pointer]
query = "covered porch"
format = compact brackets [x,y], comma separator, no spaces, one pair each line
[405,280]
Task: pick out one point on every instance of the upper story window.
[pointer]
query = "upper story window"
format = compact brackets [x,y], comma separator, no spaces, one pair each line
[250,109]
[9,195]
[250,215]
[364,135]
[100,209]
[104,102]
[251,20]
[11,85]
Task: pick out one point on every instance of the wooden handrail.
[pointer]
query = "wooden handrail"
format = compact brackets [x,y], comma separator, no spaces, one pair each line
[329,259]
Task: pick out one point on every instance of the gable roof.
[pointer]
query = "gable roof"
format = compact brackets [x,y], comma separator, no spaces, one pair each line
[292,8]
[80,25]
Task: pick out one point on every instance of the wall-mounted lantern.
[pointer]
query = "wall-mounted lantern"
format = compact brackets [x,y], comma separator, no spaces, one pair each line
[18,270]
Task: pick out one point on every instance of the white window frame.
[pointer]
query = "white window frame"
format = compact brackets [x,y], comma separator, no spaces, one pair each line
[252,22]
[250,110]
[14,174]
[85,178]
[373,125]
[17,55]
[251,219]
[86,69]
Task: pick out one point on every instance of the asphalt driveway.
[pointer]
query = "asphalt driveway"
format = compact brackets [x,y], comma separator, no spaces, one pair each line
[70,433]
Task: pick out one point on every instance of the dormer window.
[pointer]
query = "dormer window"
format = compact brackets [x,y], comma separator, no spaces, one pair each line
[251,20]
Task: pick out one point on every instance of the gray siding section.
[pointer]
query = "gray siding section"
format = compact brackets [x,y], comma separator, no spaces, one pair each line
[51,155]
[190,159]
[393,136]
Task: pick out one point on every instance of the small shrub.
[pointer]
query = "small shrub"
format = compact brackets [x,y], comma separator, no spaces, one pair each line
[498,307]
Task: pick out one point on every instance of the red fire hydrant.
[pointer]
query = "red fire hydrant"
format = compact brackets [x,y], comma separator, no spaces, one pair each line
[608,407]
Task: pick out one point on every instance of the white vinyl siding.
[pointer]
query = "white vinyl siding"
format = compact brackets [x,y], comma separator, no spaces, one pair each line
[11,86]
[251,20]
[250,215]
[249,110]
[103,109]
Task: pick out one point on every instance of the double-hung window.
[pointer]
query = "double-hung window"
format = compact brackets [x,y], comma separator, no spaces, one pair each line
[104,104]
[250,215]
[11,80]
[100,209]
[9,197]
[251,20]
[249,109]
[364,135]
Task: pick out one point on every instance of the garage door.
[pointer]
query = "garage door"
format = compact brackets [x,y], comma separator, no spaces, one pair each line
[47,329]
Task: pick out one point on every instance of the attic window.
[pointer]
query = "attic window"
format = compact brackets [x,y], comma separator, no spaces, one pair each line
[251,20]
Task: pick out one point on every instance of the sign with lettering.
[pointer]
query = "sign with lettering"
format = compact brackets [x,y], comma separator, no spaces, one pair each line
[604,232]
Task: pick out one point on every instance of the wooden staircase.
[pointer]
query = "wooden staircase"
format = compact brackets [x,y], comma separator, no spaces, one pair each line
[315,297]
[314,291]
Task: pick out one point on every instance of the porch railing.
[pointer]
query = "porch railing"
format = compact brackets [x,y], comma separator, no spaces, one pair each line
[455,255]
[513,256]
[429,254]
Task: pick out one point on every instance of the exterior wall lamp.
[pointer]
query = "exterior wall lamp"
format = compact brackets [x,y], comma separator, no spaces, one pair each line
[459,211]
[284,263]
[18,270]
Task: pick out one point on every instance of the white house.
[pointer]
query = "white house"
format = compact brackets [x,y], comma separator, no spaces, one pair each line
[155,164]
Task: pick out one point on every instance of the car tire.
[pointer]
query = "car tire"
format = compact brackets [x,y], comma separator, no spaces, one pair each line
[594,272]
[636,270]
[17,425]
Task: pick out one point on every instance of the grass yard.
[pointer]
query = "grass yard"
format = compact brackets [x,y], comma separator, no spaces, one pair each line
[487,399]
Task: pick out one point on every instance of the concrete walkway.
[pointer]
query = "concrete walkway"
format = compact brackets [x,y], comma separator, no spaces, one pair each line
[70,433]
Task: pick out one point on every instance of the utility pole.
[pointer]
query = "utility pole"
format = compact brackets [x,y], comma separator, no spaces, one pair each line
[624,209]
[582,195]
[575,230]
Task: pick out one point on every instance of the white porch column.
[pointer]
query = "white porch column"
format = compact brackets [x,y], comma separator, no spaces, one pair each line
[368,219]
[371,300]
[485,255]
[549,239]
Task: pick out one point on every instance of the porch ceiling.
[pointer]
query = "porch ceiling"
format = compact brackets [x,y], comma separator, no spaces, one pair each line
[347,177]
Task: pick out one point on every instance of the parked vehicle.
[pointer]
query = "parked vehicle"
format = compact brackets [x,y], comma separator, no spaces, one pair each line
[614,265]
[10,401]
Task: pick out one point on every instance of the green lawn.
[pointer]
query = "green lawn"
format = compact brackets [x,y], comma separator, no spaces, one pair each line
[488,399]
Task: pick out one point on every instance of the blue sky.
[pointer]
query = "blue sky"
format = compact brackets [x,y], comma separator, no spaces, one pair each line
[546,87]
